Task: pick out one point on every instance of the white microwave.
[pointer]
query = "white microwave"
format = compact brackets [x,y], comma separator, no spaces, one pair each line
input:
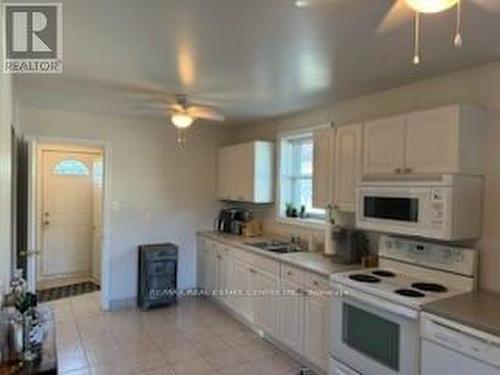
[448,208]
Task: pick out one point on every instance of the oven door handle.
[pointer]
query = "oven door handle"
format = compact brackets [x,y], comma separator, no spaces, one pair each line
[379,303]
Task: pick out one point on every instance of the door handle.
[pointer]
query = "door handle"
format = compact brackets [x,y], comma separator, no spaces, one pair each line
[46,223]
[28,253]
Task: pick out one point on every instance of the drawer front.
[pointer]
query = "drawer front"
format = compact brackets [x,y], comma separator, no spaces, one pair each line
[293,274]
[243,256]
[317,282]
[267,265]
[225,250]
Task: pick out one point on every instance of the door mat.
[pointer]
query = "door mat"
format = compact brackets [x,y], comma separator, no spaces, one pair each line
[66,291]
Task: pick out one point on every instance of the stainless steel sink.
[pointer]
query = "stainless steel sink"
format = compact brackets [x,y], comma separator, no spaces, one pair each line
[281,247]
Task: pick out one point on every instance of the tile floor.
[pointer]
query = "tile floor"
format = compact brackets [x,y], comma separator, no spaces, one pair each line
[193,338]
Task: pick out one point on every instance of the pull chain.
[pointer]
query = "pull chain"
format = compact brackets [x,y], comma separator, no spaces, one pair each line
[458,36]
[181,139]
[416,55]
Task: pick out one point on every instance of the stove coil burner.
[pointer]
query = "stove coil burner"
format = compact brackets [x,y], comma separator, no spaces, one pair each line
[410,293]
[430,287]
[364,278]
[384,273]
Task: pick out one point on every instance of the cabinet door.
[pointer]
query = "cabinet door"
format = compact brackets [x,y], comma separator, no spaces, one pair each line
[291,317]
[225,278]
[432,141]
[323,168]
[383,149]
[348,153]
[316,330]
[243,305]
[211,270]
[244,172]
[265,306]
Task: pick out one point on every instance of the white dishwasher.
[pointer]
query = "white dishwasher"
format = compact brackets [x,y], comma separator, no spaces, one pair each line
[449,348]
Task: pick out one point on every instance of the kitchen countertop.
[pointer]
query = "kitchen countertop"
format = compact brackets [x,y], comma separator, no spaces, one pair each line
[309,261]
[479,310]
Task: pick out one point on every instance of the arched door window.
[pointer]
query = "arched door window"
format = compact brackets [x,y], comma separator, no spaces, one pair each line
[71,167]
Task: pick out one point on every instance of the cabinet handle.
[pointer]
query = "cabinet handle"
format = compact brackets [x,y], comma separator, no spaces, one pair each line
[315,283]
[252,271]
[289,273]
[408,170]
[219,257]
[398,170]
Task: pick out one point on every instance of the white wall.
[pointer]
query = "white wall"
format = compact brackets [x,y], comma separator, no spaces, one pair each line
[159,193]
[6,120]
[479,86]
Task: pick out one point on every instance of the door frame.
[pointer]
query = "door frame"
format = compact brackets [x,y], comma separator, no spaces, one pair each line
[34,200]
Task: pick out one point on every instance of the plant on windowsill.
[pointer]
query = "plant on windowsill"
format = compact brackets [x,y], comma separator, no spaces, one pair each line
[291,211]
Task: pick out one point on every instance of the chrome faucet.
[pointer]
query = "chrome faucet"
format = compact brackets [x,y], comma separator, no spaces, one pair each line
[295,241]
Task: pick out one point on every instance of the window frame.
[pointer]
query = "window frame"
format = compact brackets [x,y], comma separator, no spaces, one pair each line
[317,220]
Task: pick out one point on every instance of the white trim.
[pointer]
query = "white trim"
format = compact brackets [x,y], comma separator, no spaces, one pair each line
[299,131]
[307,223]
[107,206]
[315,223]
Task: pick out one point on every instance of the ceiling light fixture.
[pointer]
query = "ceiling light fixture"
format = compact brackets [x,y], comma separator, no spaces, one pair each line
[301,3]
[182,120]
[431,6]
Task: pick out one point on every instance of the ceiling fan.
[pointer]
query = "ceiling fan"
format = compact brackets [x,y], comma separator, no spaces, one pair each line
[183,113]
[403,10]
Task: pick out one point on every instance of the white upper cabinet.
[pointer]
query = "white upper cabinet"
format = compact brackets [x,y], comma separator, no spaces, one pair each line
[348,162]
[246,172]
[383,150]
[323,167]
[445,140]
[337,166]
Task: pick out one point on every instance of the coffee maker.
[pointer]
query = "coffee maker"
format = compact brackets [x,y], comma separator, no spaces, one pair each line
[348,244]
[231,220]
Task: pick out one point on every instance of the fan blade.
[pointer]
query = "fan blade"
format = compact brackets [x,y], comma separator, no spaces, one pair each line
[489,5]
[205,113]
[397,16]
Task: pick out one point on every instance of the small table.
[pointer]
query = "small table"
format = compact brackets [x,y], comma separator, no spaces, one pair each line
[47,362]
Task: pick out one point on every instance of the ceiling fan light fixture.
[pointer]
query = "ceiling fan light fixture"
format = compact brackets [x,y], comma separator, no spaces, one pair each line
[431,6]
[301,3]
[182,120]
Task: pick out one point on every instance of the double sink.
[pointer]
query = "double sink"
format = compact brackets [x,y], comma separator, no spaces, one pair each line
[280,247]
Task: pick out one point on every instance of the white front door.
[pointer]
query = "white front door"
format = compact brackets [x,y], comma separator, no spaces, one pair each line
[66,213]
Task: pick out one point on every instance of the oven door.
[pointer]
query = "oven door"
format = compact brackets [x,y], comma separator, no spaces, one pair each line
[393,209]
[371,335]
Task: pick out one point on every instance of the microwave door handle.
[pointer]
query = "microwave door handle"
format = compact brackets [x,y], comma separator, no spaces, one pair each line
[380,304]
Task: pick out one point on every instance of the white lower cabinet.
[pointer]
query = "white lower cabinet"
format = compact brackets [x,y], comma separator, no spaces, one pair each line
[315,332]
[265,304]
[291,315]
[243,304]
[299,320]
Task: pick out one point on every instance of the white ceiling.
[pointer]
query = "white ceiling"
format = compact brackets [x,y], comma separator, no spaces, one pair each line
[253,59]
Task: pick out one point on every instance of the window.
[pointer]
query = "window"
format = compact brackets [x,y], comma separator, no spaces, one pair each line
[296,176]
[71,167]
